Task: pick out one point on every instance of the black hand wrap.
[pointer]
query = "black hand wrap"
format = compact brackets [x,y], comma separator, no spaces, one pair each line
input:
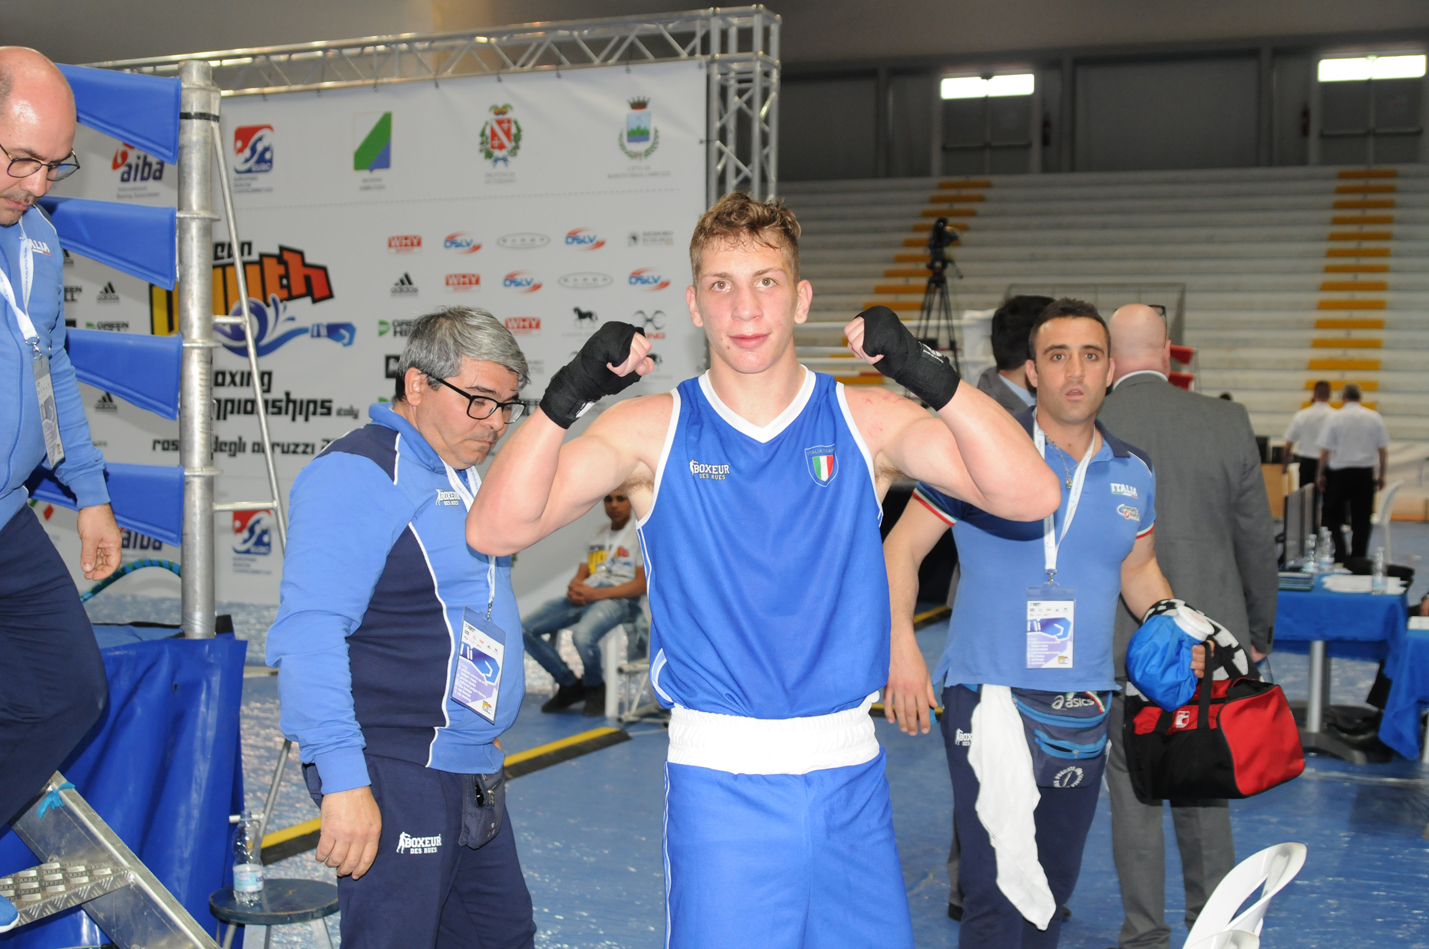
[586,379]
[906,361]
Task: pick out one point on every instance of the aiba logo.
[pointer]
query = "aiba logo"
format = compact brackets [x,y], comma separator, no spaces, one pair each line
[252,149]
[461,242]
[135,165]
[646,278]
[404,287]
[522,241]
[463,281]
[584,238]
[523,325]
[585,281]
[404,243]
[501,136]
[253,532]
[521,281]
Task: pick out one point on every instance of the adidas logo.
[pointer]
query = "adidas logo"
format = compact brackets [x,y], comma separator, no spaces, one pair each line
[106,403]
[404,286]
[107,294]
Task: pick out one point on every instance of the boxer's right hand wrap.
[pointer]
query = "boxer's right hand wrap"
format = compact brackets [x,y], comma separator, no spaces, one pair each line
[905,360]
[587,379]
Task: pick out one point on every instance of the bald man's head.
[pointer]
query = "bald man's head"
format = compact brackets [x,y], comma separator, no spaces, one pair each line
[37,120]
[1139,340]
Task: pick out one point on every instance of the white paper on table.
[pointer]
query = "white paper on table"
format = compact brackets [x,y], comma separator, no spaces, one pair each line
[1350,583]
[1419,622]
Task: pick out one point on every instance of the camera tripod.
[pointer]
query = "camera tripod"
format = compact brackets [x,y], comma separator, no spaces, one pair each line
[936,316]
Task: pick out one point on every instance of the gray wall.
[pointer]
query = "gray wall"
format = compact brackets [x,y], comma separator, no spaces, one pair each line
[1197,113]
[826,129]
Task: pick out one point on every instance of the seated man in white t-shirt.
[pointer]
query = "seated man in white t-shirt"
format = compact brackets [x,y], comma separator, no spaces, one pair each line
[604,593]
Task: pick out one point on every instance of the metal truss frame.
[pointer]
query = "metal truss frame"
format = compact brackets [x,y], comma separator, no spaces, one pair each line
[740,46]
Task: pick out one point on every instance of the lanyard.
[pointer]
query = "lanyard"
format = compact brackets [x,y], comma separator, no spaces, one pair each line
[27,276]
[467,492]
[1050,545]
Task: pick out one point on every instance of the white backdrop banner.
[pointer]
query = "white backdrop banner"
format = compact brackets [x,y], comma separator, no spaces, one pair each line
[555,201]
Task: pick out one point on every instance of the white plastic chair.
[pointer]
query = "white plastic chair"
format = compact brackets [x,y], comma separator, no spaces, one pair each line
[1231,939]
[1384,513]
[1266,872]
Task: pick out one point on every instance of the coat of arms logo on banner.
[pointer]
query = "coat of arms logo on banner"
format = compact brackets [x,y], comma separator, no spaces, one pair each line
[640,137]
[500,136]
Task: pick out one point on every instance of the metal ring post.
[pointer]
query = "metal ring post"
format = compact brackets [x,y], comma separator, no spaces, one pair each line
[195,306]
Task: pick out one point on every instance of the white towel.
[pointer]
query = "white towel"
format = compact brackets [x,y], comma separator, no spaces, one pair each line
[1006,801]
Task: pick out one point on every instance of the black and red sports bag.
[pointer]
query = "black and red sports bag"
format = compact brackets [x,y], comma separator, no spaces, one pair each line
[1235,738]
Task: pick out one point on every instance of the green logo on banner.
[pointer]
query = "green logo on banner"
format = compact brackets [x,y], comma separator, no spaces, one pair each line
[374,148]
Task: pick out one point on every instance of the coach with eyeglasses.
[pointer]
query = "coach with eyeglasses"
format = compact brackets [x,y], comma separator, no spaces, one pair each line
[52,684]
[399,652]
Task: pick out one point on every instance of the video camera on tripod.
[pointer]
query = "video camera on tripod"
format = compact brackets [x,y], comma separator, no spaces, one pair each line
[936,316]
[939,241]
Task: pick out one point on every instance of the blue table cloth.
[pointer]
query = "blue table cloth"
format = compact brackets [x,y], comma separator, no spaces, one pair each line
[1356,625]
[1408,695]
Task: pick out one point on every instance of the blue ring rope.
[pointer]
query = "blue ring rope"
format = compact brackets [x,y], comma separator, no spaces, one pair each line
[127,569]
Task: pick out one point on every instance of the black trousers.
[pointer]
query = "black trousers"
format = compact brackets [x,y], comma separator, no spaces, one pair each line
[1352,489]
[1063,817]
[426,890]
[1309,468]
[52,683]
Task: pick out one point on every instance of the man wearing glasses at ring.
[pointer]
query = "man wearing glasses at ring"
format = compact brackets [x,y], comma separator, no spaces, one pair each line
[52,684]
[399,652]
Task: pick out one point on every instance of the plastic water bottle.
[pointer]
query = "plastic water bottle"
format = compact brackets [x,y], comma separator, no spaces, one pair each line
[1325,557]
[1377,582]
[247,861]
[1307,564]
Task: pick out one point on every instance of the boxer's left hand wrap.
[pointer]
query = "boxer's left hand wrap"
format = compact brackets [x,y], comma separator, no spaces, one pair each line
[905,360]
[587,379]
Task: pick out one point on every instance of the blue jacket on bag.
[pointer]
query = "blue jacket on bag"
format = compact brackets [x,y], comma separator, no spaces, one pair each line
[82,470]
[375,578]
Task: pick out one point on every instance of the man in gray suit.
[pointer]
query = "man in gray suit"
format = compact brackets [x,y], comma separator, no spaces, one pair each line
[1216,544]
[1006,382]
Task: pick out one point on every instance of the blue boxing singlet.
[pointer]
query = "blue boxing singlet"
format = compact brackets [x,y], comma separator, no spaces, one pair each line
[768,593]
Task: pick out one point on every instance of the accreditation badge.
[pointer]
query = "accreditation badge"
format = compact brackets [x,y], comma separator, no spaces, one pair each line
[1051,618]
[49,414]
[477,684]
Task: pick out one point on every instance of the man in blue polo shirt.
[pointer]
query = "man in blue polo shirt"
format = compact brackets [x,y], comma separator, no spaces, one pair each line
[1027,674]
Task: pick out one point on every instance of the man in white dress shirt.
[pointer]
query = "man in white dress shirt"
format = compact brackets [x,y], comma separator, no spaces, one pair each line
[1351,442]
[1303,436]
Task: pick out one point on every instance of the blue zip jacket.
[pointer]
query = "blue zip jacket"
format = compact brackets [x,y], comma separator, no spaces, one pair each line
[82,470]
[375,578]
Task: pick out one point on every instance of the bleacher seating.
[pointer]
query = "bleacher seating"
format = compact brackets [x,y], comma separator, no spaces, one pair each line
[1291,274]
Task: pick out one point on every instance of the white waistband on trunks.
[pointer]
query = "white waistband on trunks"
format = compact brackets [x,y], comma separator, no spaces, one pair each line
[741,745]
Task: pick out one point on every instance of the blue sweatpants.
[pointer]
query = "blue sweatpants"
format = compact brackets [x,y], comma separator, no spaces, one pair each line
[424,890]
[52,683]
[1063,817]
[782,861]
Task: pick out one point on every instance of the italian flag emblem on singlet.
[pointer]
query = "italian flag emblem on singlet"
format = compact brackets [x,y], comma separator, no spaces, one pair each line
[823,463]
